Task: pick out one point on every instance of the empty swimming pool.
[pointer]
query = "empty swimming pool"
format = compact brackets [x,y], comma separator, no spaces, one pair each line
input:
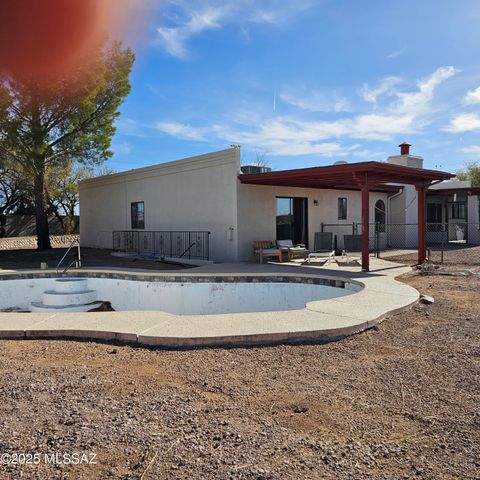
[176,295]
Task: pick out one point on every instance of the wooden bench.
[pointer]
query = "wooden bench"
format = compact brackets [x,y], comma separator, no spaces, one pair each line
[266,248]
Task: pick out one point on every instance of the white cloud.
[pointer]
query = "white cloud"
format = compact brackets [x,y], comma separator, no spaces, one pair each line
[414,102]
[130,127]
[369,154]
[473,150]
[472,97]
[464,122]
[419,102]
[121,148]
[396,53]
[180,130]
[315,101]
[189,18]
[174,39]
[384,88]
[325,149]
[408,112]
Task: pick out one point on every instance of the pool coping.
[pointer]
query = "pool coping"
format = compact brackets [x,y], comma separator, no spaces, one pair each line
[320,321]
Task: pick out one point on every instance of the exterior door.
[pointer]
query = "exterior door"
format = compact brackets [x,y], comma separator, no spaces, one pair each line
[457,219]
[292,219]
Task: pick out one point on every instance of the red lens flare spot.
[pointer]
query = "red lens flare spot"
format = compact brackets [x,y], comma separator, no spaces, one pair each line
[44,39]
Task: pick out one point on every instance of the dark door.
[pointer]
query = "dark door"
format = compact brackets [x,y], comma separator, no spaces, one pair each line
[292,221]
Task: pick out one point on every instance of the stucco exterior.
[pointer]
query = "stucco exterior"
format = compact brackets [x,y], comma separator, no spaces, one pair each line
[203,193]
[256,223]
[197,193]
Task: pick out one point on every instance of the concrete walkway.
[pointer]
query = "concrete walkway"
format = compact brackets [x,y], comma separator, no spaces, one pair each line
[319,321]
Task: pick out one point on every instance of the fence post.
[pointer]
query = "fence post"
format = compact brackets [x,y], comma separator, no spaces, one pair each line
[322,227]
[377,239]
[444,232]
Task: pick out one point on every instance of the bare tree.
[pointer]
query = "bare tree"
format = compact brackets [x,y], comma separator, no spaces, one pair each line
[260,159]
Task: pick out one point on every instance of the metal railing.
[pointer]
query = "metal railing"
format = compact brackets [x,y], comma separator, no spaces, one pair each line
[77,261]
[174,244]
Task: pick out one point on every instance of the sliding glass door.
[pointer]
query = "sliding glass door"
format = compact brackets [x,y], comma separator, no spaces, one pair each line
[292,219]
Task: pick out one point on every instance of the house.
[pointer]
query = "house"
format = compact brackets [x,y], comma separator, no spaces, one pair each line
[237,205]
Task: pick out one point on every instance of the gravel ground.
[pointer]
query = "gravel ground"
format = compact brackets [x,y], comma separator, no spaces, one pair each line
[397,402]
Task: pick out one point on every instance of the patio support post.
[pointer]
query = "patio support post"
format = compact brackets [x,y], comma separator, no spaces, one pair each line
[365,226]
[422,222]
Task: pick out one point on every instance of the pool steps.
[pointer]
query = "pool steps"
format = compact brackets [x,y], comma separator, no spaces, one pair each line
[69,295]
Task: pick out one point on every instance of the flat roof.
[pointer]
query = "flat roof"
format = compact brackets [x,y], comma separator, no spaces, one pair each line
[451,191]
[351,176]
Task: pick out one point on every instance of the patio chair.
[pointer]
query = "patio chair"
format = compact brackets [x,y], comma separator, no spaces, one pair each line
[352,244]
[292,251]
[266,248]
[323,247]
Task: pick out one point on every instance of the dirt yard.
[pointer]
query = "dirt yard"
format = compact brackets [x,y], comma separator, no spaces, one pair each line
[469,255]
[397,402]
[91,257]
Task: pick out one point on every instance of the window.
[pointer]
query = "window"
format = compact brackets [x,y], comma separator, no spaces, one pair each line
[342,208]
[458,211]
[434,212]
[380,215]
[138,215]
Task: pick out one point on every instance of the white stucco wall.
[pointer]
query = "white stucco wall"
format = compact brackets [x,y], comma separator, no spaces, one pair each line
[404,207]
[473,219]
[197,193]
[257,212]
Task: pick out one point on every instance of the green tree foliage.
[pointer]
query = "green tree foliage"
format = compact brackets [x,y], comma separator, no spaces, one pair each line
[71,121]
[471,172]
[62,191]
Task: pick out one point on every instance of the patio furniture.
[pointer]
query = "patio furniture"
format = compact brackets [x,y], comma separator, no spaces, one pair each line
[323,247]
[292,251]
[352,244]
[266,248]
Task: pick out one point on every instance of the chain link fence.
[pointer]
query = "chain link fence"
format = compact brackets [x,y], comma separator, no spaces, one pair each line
[455,242]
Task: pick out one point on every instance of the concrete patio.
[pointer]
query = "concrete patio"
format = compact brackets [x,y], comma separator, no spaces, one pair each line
[319,321]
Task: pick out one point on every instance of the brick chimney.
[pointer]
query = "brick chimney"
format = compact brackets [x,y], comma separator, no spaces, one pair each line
[404,148]
[406,158]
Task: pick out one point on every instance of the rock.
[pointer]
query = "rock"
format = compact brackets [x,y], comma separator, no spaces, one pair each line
[299,408]
[427,300]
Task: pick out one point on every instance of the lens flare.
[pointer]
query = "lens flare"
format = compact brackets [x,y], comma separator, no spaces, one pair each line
[46,39]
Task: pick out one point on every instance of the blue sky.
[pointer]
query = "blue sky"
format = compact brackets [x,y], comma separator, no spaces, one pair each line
[305,82]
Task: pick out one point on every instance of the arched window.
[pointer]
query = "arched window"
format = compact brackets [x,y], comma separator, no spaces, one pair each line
[380,215]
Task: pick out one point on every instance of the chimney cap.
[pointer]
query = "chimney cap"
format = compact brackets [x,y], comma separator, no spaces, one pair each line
[404,148]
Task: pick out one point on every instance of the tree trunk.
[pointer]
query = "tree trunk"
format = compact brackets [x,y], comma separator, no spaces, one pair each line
[41,218]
